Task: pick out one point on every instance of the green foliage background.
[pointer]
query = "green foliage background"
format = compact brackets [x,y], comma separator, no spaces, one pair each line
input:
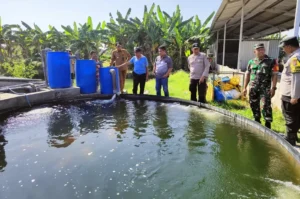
[20,45]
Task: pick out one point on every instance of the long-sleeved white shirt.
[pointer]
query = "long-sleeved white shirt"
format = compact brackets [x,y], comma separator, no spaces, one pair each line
[198,65]
[290,77]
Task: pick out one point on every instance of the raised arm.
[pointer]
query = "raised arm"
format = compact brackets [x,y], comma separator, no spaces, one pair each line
[123,65]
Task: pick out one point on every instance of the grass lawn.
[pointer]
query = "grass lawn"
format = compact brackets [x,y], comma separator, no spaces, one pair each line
[179,87]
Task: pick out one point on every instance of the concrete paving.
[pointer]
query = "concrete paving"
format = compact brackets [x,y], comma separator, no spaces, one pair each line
[4,96]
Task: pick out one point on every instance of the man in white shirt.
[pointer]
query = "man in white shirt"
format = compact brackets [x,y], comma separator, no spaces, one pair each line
[199,68]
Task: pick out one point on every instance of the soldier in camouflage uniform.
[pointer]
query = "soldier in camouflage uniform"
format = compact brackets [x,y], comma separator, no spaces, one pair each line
[261,73]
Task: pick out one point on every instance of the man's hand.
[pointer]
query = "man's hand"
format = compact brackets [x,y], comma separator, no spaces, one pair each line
[166,75]
[202,79]
[272,92]
[245,92]
[294,101]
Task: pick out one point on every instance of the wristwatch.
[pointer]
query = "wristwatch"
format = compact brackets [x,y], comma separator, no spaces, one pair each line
[274,88]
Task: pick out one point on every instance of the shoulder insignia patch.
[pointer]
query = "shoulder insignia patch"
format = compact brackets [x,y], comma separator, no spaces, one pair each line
[295,65]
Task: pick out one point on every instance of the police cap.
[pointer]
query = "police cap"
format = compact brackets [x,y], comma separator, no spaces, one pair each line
[260,45]
[195,45]
[289,41]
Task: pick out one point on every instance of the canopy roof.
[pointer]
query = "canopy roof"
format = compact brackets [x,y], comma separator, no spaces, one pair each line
[261,17]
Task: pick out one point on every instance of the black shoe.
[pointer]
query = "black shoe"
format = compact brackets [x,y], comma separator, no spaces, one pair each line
[257,120]
[268,125]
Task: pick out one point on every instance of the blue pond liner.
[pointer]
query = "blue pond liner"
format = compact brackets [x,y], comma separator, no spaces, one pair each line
[59,71]
[106,84]
[86,76]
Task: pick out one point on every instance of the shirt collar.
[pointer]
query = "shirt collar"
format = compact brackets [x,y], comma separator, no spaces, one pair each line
[265,57]
[296,51]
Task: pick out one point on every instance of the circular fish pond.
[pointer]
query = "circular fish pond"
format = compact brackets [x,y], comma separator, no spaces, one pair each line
[138,149]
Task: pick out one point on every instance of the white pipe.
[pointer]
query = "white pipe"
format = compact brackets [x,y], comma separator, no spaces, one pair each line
[241,37]
[297,19]
[217,48]
[224,44]
[116,84]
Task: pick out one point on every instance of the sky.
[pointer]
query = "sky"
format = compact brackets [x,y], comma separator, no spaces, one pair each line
[65,12]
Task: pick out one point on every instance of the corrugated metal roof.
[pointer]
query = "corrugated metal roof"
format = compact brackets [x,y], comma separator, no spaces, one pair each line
[261,17]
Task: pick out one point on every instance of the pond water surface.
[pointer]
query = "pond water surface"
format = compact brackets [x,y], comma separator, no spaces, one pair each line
[138,149]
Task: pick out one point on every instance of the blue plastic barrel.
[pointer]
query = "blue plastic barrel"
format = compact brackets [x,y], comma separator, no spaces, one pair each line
[86,76]
[106,84]
[59,71]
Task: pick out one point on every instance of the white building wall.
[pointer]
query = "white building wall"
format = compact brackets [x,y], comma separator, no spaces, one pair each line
[273,48]
[247,53]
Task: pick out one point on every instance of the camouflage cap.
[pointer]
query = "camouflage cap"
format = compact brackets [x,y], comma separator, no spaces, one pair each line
[289,41]
[260,45]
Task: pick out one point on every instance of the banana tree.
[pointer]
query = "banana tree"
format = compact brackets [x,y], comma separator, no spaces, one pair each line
[83,39]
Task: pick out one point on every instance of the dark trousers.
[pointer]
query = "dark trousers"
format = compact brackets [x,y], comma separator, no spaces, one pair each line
[201,87]
[138,80]
[291,114]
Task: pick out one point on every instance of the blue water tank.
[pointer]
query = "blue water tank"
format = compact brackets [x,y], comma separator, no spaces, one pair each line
[86,76]
[59,71]
[106,84]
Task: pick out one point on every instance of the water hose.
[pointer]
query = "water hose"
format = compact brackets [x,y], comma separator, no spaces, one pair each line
[24,94]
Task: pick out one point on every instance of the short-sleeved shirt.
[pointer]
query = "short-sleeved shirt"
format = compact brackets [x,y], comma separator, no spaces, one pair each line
[139,65]
[163,64]
[120,57]
[199,66]
[290,77]
[261,71]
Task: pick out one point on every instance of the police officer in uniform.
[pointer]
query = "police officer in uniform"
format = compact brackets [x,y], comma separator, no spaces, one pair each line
[261,73]
[290,88]
[199,69]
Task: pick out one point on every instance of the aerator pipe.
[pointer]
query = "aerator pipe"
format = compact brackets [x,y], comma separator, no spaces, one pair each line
[116,87]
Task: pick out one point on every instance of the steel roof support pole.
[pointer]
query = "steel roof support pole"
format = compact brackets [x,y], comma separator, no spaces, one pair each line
[224,44]
[217,48]
[297,19]
[241,36]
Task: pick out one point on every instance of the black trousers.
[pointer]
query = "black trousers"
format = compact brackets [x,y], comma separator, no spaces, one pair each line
[291,114]
[138,80]
[201,87]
